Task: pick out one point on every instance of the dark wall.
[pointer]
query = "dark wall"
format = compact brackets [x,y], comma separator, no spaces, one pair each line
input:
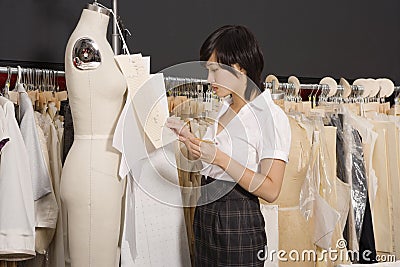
[310,38]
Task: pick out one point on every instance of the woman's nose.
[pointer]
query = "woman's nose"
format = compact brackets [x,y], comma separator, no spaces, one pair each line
[210,77]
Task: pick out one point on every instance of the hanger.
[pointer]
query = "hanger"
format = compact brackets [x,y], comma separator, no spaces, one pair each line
[28,79]
[295,88]
[314,100]
[6,87]
[23,78]
[346,89]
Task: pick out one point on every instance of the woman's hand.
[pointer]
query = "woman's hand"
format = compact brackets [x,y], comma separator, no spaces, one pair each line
[204,150]
[180,128]
[183,132]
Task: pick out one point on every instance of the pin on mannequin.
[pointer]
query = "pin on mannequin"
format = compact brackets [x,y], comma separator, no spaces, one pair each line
[91,190]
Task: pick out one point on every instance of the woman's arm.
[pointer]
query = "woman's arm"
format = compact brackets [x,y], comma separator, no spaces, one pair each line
[265,184]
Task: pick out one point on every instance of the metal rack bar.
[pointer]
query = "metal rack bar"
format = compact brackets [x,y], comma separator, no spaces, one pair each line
[185,80]
[290,86]
[15,70]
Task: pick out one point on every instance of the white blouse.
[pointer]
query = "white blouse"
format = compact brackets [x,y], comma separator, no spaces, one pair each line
[17,221]
[260,130]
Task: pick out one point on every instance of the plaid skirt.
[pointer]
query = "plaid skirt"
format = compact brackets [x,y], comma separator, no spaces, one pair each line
[229,231]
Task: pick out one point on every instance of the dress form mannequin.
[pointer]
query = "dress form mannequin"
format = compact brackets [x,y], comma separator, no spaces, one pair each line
[295,233]
[90,188]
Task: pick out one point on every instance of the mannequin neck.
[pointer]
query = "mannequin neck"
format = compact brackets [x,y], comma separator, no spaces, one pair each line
[97,8]
[94,20]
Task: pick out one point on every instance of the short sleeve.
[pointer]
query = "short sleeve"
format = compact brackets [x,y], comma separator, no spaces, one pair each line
[275,139]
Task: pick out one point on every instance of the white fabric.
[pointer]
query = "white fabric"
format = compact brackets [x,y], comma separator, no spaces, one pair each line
[56,249]
[3,135]
[154,232]
[17,224]
[160,228]
[128,243]
[260,130]
[270,214]
[131,126]
[46,208]
[40,176]
[391,192]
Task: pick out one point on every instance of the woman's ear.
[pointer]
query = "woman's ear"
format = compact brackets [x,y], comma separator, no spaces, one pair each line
[237,67]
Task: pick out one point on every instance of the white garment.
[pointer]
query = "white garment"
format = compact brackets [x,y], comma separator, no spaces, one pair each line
[56,249]
[4,138]
[46,213]
[46,208]
[270,214]
[17,223]
[259,130]
[154,232]
[40,176]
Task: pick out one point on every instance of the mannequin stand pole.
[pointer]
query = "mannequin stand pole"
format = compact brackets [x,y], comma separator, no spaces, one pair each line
[115,38]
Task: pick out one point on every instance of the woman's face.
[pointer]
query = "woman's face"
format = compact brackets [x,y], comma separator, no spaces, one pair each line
[224,82]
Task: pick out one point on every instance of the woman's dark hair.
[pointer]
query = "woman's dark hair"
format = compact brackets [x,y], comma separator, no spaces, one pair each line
[236,44]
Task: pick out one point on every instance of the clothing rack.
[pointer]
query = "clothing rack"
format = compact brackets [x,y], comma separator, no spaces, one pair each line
[287,87]
[283,90]
[183,81]
[15,70]
[59,75]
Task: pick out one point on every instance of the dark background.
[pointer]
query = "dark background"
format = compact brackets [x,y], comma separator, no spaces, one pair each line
[309,38]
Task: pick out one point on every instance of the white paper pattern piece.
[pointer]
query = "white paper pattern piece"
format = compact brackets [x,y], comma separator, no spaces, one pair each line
[151,105]
[128,125]
[136,70]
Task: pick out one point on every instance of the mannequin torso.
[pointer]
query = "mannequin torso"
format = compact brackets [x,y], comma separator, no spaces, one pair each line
[90,187]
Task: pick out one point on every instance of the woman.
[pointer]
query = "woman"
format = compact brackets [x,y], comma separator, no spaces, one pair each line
[244,157]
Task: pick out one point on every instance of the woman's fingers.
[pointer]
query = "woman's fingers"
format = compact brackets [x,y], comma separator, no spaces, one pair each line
[182,139]
[194,146]
[195,141]
[196,153]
